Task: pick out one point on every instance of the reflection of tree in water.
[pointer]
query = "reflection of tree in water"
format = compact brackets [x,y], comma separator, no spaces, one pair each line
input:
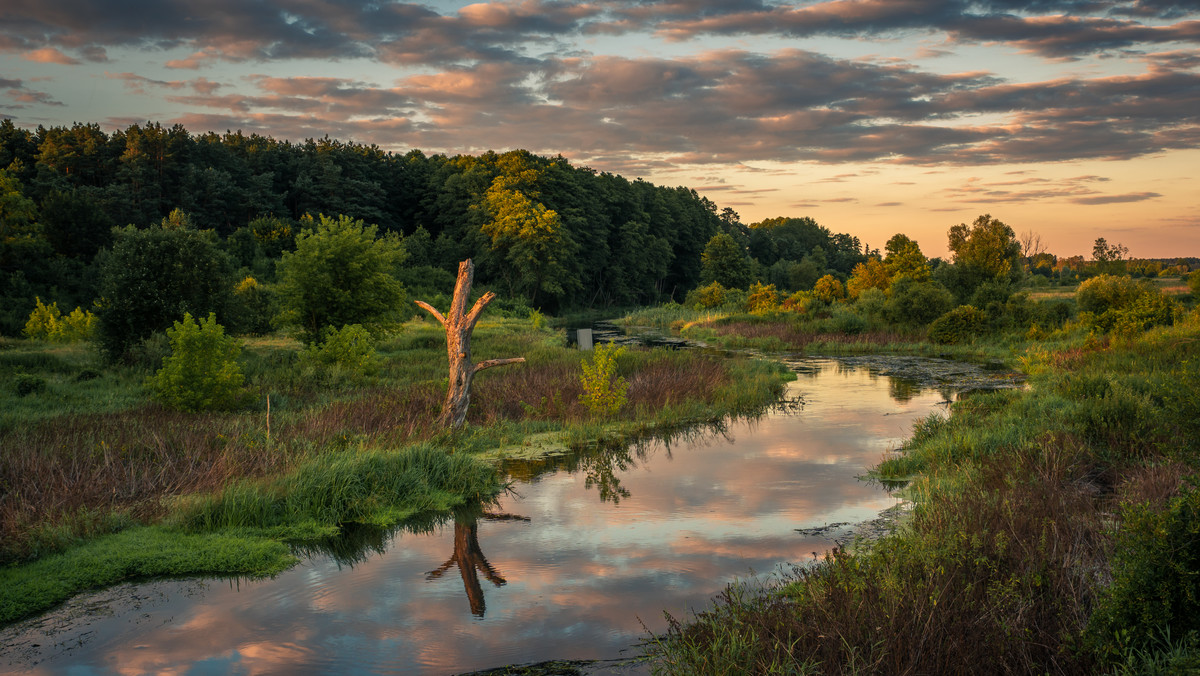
[602,462]
[902,390]
[469,558]
[356,542]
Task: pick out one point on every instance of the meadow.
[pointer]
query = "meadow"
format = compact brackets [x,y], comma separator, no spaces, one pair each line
[103,484]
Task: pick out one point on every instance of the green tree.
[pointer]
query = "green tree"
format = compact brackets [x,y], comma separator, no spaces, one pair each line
[829,289]
[725,262]
[152,277]
[872,274]
[202,373]
[904,259]
[340,274]
[531,240]
[1109,258]
[987,250]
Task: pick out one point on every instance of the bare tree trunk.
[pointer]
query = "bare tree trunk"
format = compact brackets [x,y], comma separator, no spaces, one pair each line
[459,324]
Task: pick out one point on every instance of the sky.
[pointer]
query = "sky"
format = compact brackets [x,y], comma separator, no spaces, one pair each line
[1071,119]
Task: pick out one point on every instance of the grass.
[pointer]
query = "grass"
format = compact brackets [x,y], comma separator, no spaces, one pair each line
[1010,558]
[94,476]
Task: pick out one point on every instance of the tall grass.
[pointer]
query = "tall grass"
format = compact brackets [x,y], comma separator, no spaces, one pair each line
[1007,563]
[70,474]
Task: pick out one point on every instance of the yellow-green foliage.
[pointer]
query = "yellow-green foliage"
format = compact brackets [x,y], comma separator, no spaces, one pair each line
[604,392]
[762,298]
[1111,292]
[350,348]
[829,289]
[46,322]
[202,373]
[707,296]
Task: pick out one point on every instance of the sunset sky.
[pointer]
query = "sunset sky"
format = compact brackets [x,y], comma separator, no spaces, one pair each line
[1073,118]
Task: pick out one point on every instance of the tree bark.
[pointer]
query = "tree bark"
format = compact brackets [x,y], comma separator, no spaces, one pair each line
[459,324]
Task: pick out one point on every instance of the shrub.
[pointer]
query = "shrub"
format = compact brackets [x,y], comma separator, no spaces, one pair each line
[251,308]
[829,289]
[1156,578]
[350,348]
[202,373]
[958,325]
[340,274]
[1108,292]
[1194,283]
[42,321]
[844,320]
[1145,312]
[871,302]
[27,384]
[707,296]
[762,298]
[537,320]
[47,323]
[604,392]
[917,303]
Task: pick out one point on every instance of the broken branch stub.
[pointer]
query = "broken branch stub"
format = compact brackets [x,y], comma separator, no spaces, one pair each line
[459,324]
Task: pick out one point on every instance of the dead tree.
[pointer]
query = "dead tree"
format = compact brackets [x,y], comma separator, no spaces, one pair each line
[459,324]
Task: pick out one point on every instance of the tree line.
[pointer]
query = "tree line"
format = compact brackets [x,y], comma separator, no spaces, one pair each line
[554,235]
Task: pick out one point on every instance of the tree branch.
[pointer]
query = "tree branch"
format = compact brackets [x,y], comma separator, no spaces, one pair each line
[477,309]
[432,310]
[497,362]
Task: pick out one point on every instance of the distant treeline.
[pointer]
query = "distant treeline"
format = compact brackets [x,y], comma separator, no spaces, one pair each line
[557,235]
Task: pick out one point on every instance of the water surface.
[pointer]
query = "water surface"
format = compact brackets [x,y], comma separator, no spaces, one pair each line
[585,555]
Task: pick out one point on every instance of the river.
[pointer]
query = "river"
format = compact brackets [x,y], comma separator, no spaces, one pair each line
[578,562]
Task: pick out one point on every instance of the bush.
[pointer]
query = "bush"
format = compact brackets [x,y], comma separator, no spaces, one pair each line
[604,393]
[47,323]
[829,289]
[916,303]
[1156,578]
[1108,292]
[762,298]
[338,275]
[1193,281]
[251,308]
[846,321]
[707,296]
[202,373]
[1146,312]
[871,302]
[350,348]
[27,384]
[959,325]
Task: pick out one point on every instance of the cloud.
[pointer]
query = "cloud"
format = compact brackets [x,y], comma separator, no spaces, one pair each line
[50,55]
[141,85]
[1074,190]
[16,90]
[1116,199]
[735,107]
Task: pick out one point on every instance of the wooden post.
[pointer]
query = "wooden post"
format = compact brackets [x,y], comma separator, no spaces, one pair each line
[459,324]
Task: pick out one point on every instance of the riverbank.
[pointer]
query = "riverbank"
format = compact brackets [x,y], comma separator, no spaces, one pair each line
[106,487]
[1053,532]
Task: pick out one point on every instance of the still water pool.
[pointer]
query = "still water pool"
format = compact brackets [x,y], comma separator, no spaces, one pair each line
[577,563]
